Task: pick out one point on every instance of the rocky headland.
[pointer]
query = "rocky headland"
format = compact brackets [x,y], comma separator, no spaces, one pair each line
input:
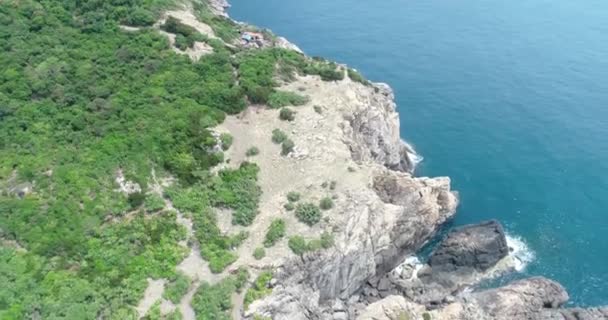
[349,133]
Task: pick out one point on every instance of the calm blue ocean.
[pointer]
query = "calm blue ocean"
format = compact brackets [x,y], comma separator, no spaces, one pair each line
[508,98]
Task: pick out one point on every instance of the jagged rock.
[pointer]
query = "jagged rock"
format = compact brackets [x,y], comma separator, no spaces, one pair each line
[479,246]
[381,225]
[375,133]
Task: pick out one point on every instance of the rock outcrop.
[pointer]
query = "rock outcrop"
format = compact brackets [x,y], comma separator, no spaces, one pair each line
[474,247]
[375,133]
[383,222]
[385,216]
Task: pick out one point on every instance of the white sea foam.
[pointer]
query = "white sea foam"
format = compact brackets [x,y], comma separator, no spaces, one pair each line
[412,154]
[520,252]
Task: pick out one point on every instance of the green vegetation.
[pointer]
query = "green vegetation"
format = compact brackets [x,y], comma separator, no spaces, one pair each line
[253,151]
[326,203]
[226,139]
[154,203]
[136,199]
[293,196]
[426,316]
[232,188]
[275,232]
[357,77]
[238,190]
[278,136]
[81,98]
[299,245]
[289,206]
[259,253]
[287,114]
[287,147]
[213,302]
[328,71]
[259,289]
[177,288]
[279,99]
[185,35]
[308,213]
[155,314]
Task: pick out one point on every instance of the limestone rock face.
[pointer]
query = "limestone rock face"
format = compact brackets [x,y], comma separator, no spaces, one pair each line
[375,133]
[479,246]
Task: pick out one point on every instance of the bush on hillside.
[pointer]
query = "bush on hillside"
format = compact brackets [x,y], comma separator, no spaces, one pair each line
[308,213]
[275,232]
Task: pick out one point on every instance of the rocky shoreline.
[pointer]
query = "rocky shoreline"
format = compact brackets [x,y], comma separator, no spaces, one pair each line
[369,273]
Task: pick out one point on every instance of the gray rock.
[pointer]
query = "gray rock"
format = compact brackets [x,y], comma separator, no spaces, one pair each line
[375,135]
[479,246]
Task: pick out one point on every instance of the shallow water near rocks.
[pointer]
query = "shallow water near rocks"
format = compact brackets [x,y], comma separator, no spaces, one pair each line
[509,99]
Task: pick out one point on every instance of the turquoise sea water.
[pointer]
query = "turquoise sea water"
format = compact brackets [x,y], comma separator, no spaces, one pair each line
[508,98]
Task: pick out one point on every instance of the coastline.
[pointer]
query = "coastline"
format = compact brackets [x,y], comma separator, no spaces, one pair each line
[312,287]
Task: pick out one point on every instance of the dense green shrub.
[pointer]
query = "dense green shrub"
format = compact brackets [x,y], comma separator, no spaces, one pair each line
[287,114]
[238,190]
[298,245]
[259,253]
[154,203]
[289,206]
[326,203]
[275,232]
[136,199]
[308,213]
[259,289]
[215,246]
[177,288]
[279,99]
[81,98]
[293,196]
[287,147]
[278,136]
[213,302]
[226,139]
[357,77]
[253,151]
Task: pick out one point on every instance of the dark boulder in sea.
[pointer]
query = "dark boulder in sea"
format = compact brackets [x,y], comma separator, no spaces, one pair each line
[479,247]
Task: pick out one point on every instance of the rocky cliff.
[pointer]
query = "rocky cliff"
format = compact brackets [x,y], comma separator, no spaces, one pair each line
[383,216]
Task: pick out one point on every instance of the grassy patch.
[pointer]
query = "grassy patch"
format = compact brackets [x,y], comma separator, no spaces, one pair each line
[275,232]
[154,203]
[357,77]
[299,245]
[238,190]
[213,302]
[177,288]
[259,289]
[279,99]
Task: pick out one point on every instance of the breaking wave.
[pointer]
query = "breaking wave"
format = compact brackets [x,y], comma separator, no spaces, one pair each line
[520,252]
